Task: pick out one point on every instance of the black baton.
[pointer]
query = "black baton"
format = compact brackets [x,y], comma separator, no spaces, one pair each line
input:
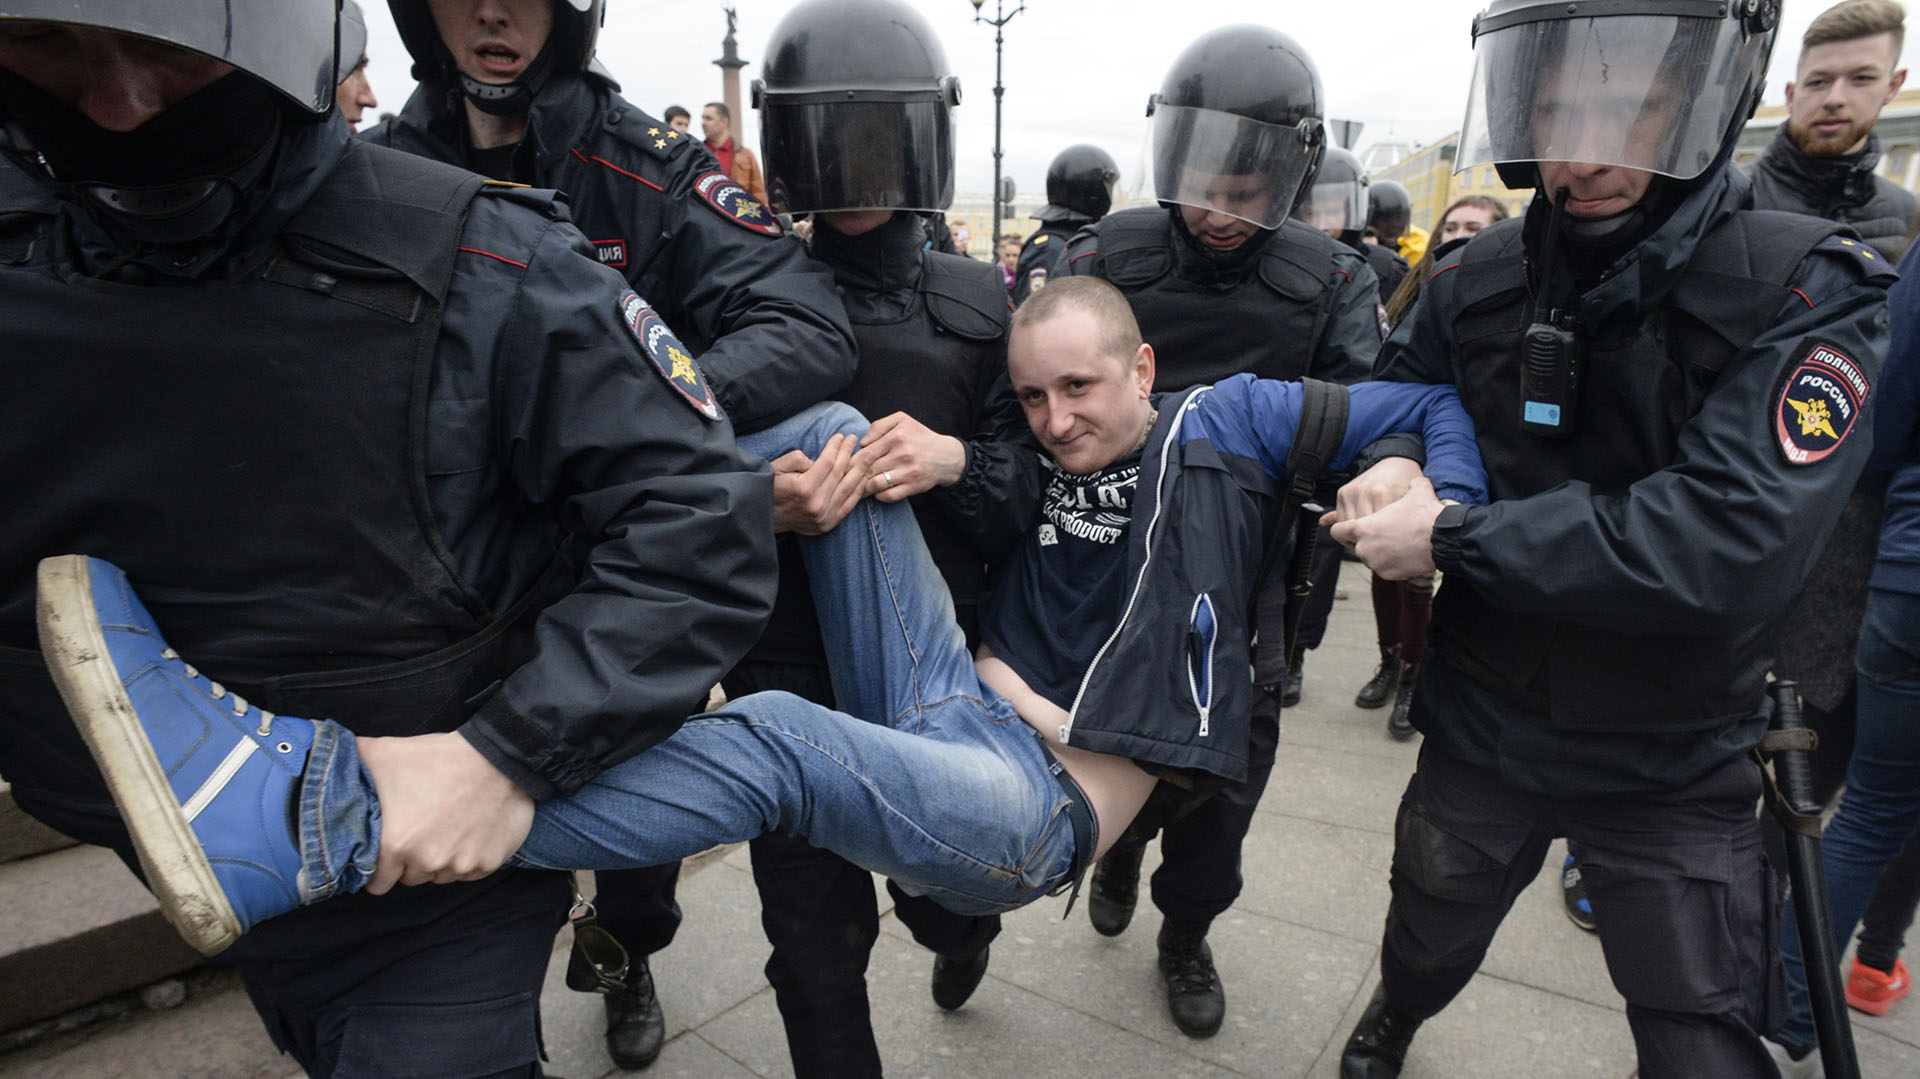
[1791,799]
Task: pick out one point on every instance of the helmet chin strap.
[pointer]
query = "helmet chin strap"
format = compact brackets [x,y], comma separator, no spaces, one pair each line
[510,98]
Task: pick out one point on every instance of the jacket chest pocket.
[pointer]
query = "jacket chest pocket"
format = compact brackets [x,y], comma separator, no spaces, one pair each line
[1203,630]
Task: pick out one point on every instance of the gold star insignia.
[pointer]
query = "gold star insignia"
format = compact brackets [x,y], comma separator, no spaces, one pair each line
[747,208]
[683,370]
[659,144]
[673,134]
[653,131]
[1814,417]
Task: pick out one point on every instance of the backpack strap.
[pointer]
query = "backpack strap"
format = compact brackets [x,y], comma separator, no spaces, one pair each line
[1324,407]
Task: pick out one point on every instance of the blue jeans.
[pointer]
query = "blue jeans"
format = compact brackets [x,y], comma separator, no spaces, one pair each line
[1881,807]
[932,779]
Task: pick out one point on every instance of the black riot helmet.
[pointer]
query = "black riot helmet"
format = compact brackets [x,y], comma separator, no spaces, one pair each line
[1080,184]
[288,45]
[1238,125]
[1659,85]
[1389,211]
[185,172]
[1338,201]
[569,47]
[855,105]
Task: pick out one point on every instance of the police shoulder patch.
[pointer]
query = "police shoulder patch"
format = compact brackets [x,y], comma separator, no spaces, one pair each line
[668,355]
[1818,403]
[718,190]
[1036,279]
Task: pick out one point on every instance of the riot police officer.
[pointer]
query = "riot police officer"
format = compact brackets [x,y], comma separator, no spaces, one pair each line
[870,167]
[1390,216]
[498,97]
[503,96]
[1692,416]
[1080,185]
[1338,204]
[1222,281]
[385,447]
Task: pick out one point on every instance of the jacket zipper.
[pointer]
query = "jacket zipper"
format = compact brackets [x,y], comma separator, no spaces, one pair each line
[1133,597]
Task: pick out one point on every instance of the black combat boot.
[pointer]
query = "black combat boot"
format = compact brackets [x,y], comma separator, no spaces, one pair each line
[635,1026]
[1296,677]
[1380,687]
[1194,997]
[1115,888]
[955,977]
[1400,723]
[1378,1045]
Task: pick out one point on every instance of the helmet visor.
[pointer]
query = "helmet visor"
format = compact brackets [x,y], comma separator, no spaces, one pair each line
[290,49]
[1335,205]
[1226,163]
[855,155]
[1652,92]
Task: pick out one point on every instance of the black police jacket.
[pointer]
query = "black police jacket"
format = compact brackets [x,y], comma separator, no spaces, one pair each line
[1042,255]
[1291,302]
[1603,624]
[1842,189]
[346,463]
[760,314]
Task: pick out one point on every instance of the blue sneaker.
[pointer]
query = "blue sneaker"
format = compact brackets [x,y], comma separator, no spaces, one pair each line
[206,783]
[1573,892]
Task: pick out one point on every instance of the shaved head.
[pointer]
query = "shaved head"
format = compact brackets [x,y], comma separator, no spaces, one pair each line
[1119,331]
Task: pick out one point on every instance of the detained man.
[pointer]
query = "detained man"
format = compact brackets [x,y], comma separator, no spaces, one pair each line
[982,783]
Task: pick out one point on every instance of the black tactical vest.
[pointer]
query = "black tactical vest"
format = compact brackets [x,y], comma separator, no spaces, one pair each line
[1639,389]
[1265,321]
[936,363]
[251,452]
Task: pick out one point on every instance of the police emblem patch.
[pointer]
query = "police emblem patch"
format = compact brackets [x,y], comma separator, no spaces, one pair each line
[719,191]
[669,356]
[610,252]
[1037,279]
[1818,404]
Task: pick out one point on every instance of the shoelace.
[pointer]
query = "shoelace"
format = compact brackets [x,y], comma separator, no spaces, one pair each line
[219,692]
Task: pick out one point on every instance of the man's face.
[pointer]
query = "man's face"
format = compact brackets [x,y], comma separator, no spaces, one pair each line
[1838,93]
[116,80]
[713,125]
[1631,121]
[1327,211]
[680,123]
[355,95]
[493,41]
[1219,225]
[1087,408]
[1464,221]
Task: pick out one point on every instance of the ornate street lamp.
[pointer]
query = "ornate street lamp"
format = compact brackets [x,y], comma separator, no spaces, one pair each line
[1000,18]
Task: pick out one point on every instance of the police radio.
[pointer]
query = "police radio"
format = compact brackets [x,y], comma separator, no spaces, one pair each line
[1550,351]
[1550,378]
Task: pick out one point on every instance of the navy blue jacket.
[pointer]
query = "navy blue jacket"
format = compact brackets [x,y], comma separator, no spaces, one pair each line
[1896,437]
[1170,688]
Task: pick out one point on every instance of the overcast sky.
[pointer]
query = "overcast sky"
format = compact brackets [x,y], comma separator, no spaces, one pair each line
[1075,70]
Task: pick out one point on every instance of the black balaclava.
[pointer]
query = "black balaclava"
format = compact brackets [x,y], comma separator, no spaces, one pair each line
[178,177]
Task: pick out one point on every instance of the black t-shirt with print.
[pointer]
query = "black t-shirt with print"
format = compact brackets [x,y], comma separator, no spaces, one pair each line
[1057,599]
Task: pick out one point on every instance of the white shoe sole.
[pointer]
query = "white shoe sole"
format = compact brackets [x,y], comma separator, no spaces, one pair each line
[176,867]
